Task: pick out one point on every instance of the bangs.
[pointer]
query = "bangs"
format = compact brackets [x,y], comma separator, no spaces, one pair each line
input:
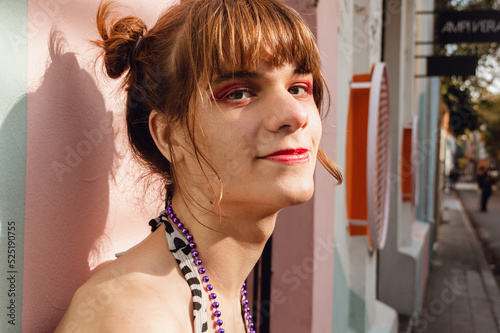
[238,34]
[217,37]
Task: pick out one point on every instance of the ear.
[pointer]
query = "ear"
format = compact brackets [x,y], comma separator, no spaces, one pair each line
[165,141]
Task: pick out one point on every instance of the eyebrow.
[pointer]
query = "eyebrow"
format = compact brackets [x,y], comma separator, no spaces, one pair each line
[237,75]
[251,75]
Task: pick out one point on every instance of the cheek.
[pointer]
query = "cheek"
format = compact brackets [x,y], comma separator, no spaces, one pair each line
[211,130]
[316,127]
[242,132]
[227,142]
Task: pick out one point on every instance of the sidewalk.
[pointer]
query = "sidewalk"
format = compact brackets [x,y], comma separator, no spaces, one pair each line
[487,224]
[462,295]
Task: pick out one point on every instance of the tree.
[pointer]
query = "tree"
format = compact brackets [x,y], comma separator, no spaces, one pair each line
[489,113]
[457,99]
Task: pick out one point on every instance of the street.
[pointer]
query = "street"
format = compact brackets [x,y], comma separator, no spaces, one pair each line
[462,295]
[486,224]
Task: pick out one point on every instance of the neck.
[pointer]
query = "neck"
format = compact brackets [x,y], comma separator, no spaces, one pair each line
[230,241]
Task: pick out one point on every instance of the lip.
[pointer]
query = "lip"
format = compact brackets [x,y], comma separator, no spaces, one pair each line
[289,156]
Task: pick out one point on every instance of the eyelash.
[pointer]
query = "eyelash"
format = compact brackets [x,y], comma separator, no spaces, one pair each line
[225,94]
[305,86]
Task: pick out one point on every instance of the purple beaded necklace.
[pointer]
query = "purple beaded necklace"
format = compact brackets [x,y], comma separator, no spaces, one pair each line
[208,287]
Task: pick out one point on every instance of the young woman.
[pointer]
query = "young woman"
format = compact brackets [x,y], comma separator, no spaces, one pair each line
[223,104]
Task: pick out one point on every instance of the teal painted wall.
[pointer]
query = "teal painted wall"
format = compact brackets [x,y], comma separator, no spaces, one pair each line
[349,310]
[13,133]
[341,297]
[423,156]
[428,113]
[358,317]
[434,134]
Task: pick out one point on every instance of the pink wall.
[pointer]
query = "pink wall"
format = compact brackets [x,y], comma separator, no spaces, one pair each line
[81,195]
[325,191]
[303,249]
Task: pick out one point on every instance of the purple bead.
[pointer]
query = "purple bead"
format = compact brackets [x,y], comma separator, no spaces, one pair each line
[209,287]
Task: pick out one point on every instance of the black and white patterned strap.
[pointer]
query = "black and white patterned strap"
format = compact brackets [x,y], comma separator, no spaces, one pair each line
[181,251]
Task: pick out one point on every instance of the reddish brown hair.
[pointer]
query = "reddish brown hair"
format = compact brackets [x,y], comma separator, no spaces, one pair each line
[192,43]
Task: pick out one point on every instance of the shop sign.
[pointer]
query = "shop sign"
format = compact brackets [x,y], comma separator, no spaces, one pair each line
[452,65]
[468,26]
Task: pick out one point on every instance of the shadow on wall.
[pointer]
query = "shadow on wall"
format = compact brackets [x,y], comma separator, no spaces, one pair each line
[69,163]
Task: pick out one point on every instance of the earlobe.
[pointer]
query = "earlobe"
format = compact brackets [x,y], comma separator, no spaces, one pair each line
[164,140]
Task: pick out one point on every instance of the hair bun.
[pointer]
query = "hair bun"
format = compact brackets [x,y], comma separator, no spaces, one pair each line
[120,38]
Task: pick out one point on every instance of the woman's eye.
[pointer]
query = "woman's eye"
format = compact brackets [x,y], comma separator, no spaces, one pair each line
[299,90]
[234,92]
[238,95]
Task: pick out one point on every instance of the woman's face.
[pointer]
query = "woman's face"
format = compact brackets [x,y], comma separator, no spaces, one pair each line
[261,134]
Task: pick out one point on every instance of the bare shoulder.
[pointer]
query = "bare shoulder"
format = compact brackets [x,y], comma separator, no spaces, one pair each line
[140,291]
[121,306]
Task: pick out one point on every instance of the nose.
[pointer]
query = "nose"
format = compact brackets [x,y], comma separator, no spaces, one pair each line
[286,114]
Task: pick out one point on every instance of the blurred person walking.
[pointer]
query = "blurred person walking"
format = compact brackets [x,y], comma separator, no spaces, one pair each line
[453,177]
[484,182]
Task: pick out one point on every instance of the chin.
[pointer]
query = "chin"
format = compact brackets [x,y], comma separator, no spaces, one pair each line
[297,195]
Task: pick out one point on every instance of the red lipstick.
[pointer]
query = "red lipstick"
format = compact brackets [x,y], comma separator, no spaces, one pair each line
[289,156]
